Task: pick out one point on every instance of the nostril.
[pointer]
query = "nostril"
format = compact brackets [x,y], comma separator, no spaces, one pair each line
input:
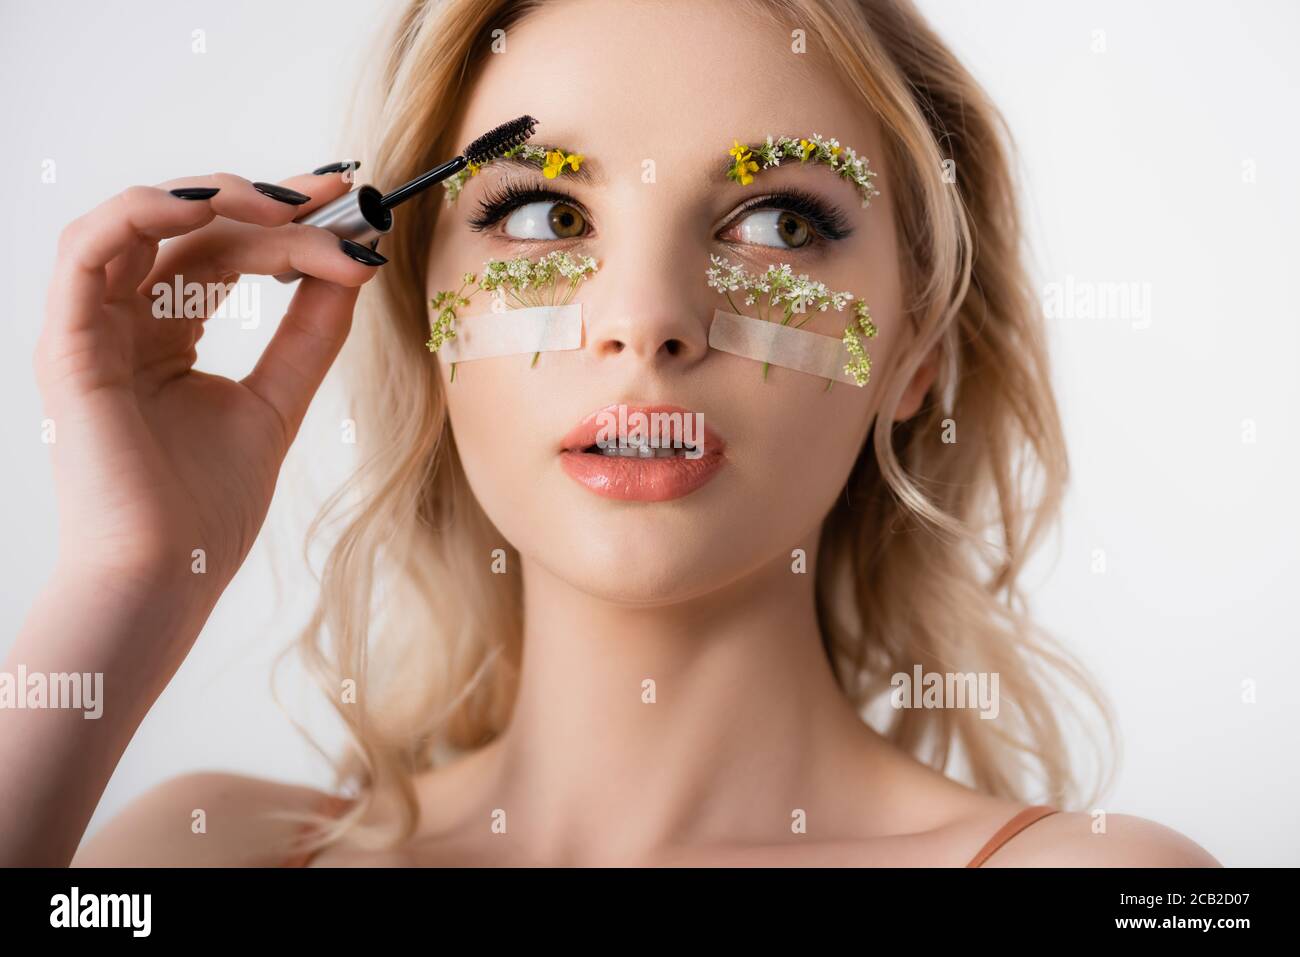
[673,346]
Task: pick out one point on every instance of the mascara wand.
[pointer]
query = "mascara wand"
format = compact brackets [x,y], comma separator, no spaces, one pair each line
[365,214]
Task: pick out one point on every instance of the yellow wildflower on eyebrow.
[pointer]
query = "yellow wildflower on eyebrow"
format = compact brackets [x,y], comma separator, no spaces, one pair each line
[743,166]
[807,146]
[549,162]
[556,160]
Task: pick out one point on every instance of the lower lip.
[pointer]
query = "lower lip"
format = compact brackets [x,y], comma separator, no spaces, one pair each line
[640,480]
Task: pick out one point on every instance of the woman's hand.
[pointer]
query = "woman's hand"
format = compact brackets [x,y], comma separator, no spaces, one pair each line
[154,462]
[163,472]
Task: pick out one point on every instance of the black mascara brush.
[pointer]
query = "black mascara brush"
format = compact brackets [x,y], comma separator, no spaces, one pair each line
[365,214]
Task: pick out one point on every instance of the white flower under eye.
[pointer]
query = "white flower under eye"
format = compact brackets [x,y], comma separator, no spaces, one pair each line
[521,281]
[780,296]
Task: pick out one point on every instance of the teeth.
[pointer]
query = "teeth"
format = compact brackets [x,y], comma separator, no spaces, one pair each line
[641,452]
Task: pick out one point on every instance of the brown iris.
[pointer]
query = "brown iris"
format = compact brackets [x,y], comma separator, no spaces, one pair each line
[794,230]
[566,222]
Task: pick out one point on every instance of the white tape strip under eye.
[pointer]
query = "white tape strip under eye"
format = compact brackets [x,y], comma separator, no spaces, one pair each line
[514,332]
[780,345]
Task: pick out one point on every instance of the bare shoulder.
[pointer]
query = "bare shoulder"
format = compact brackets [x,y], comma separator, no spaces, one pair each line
[202,819]
[1078,839]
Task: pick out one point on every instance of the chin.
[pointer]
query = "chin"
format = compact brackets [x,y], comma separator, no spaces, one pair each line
[649,568]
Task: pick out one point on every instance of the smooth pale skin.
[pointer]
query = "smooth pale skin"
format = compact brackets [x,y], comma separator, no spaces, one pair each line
[697,594]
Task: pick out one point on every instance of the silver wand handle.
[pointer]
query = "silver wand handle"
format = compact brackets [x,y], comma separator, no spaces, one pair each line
[358,216]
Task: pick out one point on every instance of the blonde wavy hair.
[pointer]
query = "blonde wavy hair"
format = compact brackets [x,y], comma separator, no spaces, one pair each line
[930,537]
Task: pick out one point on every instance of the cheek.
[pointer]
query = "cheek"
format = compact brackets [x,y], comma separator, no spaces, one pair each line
[502,435]
[799,444]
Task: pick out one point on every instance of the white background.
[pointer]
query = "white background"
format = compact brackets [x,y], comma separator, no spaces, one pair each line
[1159,151]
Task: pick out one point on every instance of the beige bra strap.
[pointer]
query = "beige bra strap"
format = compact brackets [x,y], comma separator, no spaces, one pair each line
[1009,830]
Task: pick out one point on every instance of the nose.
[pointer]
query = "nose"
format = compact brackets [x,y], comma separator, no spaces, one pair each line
[644,315]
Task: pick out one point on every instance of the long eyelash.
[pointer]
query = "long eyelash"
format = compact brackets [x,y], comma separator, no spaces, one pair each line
[500,201]
[827,221]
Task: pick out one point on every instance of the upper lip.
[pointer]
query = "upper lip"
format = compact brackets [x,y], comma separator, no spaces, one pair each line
[584,434]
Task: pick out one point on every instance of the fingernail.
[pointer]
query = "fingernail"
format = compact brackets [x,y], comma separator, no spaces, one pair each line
[337,167]
[195,192]
[290,196]
[361,254]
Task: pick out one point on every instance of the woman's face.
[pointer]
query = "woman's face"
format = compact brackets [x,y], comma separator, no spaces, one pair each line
[653,95]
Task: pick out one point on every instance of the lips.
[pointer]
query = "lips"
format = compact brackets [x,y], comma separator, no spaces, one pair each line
[613,455]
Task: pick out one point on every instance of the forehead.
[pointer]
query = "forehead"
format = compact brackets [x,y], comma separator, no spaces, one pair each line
[624,81]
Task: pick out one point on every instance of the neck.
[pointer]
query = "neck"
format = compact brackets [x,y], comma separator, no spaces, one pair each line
[636,729]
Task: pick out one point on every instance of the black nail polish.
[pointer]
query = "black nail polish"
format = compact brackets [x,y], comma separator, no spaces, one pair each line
[361,254]
[195,192]
[337,167]
[280,193]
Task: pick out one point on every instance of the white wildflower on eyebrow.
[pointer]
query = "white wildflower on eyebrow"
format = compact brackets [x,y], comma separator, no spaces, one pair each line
[842,160]
[534,154]
[778,288]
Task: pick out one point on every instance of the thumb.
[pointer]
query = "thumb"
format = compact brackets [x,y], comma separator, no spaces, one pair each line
[303,348]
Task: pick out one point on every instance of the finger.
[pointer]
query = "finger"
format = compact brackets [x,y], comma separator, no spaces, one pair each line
[125,273]
[321,187]
[221,254]
[240,201]
[270,204]
[304,346]
[135,219]
[129,270]
[225,251]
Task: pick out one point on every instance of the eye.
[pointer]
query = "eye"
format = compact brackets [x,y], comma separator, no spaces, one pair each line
[530,213]
[789,219]
[775,227]
[545,220]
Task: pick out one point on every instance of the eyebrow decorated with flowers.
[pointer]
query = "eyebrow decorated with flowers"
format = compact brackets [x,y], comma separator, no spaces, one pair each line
[746,160]
[550,161]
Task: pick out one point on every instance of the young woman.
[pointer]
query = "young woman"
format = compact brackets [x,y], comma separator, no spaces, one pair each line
[545,656]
